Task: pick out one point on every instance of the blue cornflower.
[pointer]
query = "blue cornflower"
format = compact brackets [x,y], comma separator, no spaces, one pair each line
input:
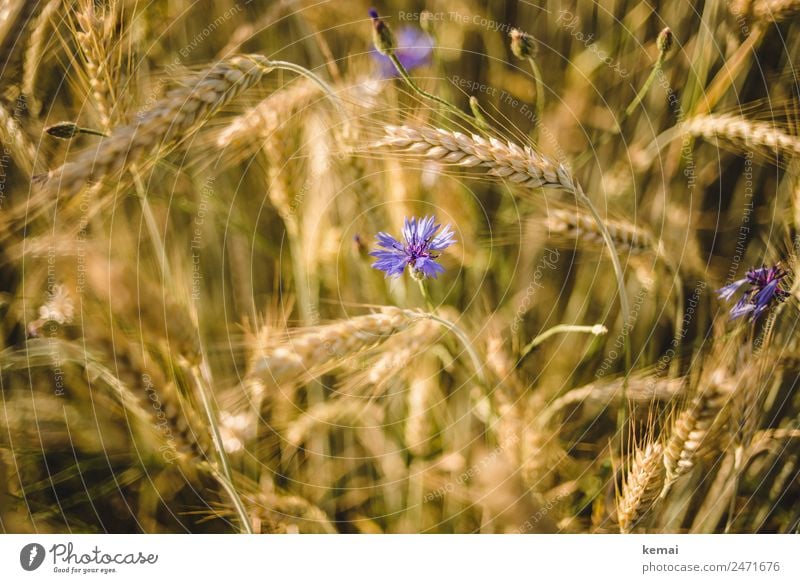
[414,49]
[765,286]
[420,249]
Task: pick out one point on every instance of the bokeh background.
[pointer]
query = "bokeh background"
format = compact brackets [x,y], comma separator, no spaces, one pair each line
[195,340]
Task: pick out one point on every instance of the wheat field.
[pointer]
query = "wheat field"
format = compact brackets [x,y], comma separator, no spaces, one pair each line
[404,267]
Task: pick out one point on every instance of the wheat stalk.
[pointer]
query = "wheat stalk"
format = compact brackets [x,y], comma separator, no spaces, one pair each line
[641,487]
[14,138]
[582,227]
[91,40]
[307,353]
[743,131]
[506,160]
[520,165]
[15,20]
[423,396]
[766,10]
[33,54]
[775,10]
[268,116]
[171,120]
[693,432]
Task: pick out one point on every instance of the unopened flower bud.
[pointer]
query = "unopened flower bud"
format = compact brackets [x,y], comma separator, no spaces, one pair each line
[381,34]
[664,41]
[522,44]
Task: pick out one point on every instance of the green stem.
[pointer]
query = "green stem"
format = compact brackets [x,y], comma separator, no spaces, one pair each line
[323,85]
[583,158]
[623,301]
[618,273]
[537,76]
[420,91]
[425,295]
[679,307]
[645,88]
[597,330]
[92,132]
[473,355]
[480,119]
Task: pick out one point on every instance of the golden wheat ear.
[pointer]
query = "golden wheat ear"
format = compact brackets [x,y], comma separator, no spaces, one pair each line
[641,487]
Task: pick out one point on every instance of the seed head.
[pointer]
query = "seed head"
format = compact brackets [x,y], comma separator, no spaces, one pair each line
[65,130]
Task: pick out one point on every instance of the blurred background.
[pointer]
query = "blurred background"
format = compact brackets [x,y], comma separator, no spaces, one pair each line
[195,340]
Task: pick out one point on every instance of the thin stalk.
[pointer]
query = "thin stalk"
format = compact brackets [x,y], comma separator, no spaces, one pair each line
[645,88]
[597,330]
[202,378]
[323,85]
[618,273]
[473,355]
[657,67]
[480,119]
[623,414]
[425,295]
[152,227]
[91,132]
[737,468]
[727,74]
[680,301]
[234,496]
[420,91]
[537,76]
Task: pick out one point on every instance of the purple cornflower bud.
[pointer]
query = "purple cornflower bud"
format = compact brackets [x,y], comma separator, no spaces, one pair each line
[381,34]
[420,248]
[414,49]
